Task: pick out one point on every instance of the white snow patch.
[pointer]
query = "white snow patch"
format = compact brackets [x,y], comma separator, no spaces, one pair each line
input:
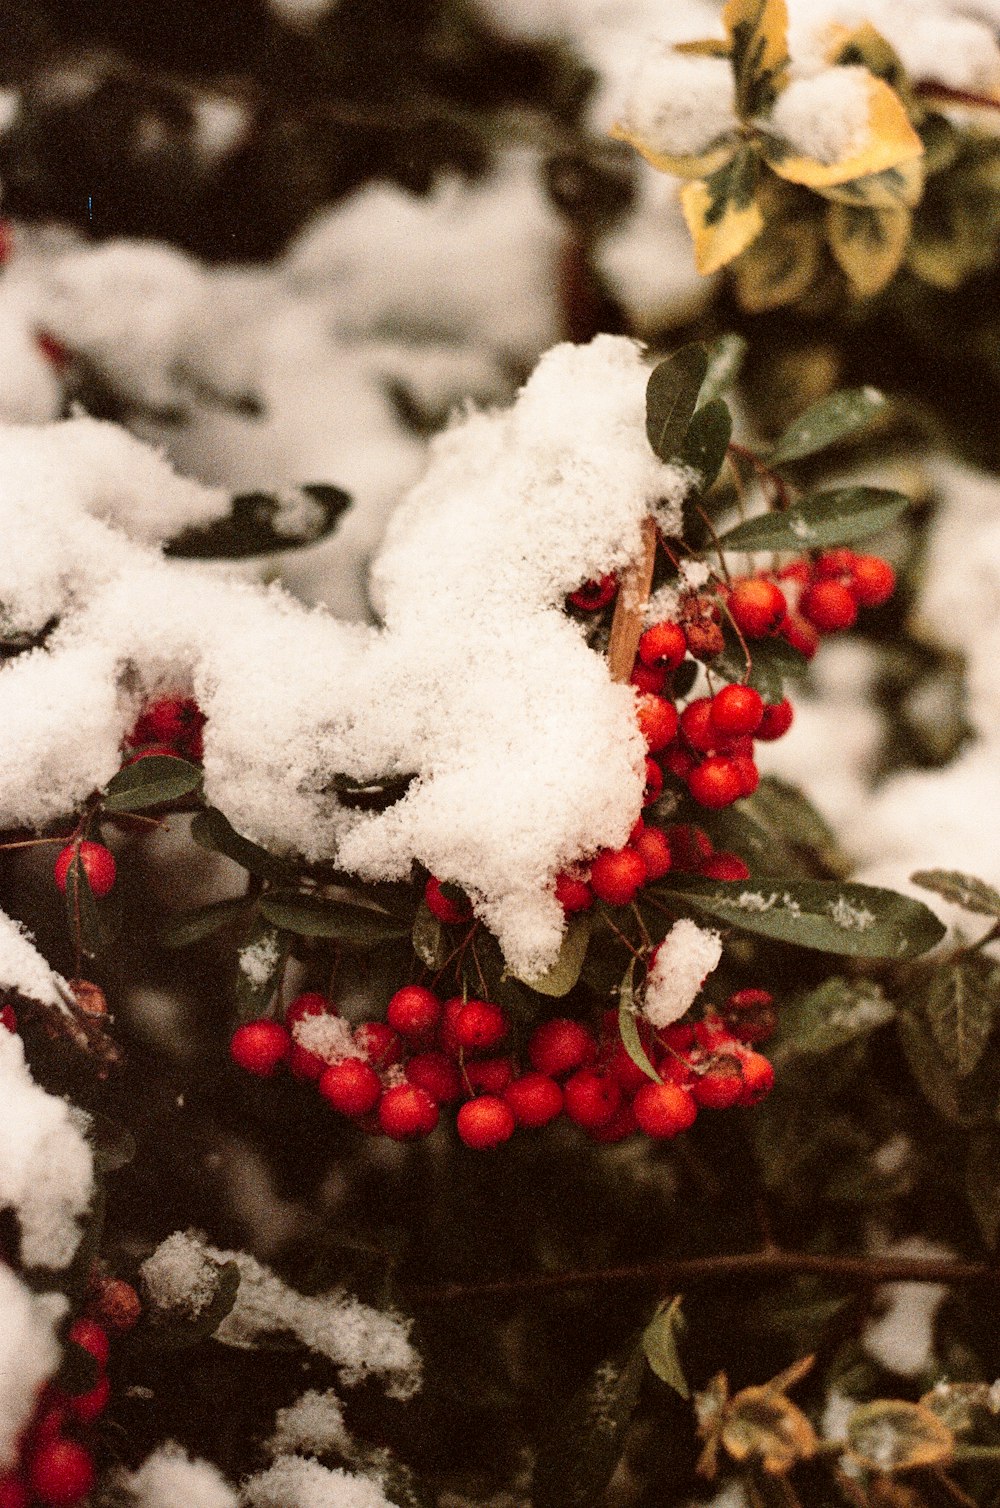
[681,964]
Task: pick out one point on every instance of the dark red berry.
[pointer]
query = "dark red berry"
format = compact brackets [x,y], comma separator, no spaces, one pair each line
[97,862]
[689,846]
[437,1075]
[834,563]
[14,1492]
[8,1018]
[748,773]
[260,1046]
[645,679]
[442,906]
[664,1110]
[115,1303]
[750,1015]
[489,1075]
[535,1099]
[616,874]
[725,866]
[414,1012]
[594,594]
[86,1407]
[561,1045]
[380,1044]
[91,1337]
[305,1065]
[351,1086]
[485,1122]
[406,1112]
[654,783]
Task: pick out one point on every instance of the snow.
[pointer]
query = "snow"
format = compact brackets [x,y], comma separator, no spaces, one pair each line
[257,960]
[825,117]
[933,39]
[22,967]
[29,1353]
[681,964]
[313,1425]
[46,1172]
[679,105]
[902,1338]
[170,1477]
[294,1482]
[180,1276]
[328,1036]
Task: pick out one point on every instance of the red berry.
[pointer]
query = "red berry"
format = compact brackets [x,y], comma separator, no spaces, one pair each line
[86,1407]
[749,775]
[750,1015]
[351,1086]
[98,865]
[61,1473]
[725,866]
[715,782]
[657,719]
[689,846]
[873,580]
[711,1034]
[490,1075]
[116,1303]
[573,894]
[833,563]
[800,571]
[8,1018]
[615,1060]
[758,1078]
[437,1075]
[414,1012]
[441,906]
[622,1124]
[679,1037]
[260,1046]
[534,1098]
[171,720]
[380,1044]
[757,607]
[664,1110]
[590,1098]
[446,1031]
[406,1111]
[829,606]
[663,646]
[90,1337]
[800,635]
[479,1026]
[616,874]
[561,1045]
[653,849]
[13,1492]
[654,783]
[737,709]
[594,594]
[697,725]
[720,1086]
[776,721]
[645,679]
[309,1003]
[485,1122]
[305,1065]
[679,761]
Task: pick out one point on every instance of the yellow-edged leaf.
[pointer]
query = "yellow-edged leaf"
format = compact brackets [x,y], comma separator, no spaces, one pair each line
[896,188]
[767,1427]
[890,1435]
[867,244]
[758,40]
[722,213]
[778,267]
[892,141]
[865,46]
[700,165]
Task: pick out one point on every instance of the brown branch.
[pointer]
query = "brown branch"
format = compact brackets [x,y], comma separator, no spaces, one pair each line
[630,609]
[686,1272]
[941,94]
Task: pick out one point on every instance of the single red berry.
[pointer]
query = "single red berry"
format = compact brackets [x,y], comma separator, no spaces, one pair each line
[873,580]
[309,1003]
[750,1015]
[657,719]
[115,1303]
[590,1098]
[561,1045]
[799,571]
[697,726]
[97,862]
[676,1070]
[749,775]
[679,1036]
[489,1075]
[573,894]
[305,1065]
[437,1075]
[834,563]
[442,906]
[653,848]
[351,1086]
[61,1473]
[86,1407]
[621,1125]
[446,1031]
[757,607]
[380,1044]
[91,1337]
[171,720]
[663,646]
[737,709]
[715,782]
[654,783]
[689,846]
[679,760]
[720,1086]
[776,721]
[14,1492]
[480,1026]
[406,1112]
[664,1110]
[758,1078]
[712,1035]
[260,1046]
[8,1018]
[829,606]
[50,1418]
[645,679]
[594,594]
[616,874]
[485,1122]
[725,866]
[414,1012]
[534,1098]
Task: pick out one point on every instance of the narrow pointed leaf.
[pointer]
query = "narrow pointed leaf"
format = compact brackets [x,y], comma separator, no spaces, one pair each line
[831,518]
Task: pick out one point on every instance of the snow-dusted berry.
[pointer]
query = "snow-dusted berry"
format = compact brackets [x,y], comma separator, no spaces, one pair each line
[594,595]
[115,1303]
[443,906]
[720,1086]
[380,1044]
[96,861]
[309,1003]
[406,1112]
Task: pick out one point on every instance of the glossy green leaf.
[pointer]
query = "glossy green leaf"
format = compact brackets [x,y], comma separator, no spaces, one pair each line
[838,517]
[707,440]
[185,928]
[215,832]
[151,781]
[725,358]
[316,916]
[826,422]
[671,396]
[628,1027]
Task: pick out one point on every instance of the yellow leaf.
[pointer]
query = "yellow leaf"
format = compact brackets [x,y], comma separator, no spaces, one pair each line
[868,244]
[758,38]
[778,267]
[765,1426]
[892,141]
[864,45]
[700,166]
[890,1435]
[722,213]
[896,187]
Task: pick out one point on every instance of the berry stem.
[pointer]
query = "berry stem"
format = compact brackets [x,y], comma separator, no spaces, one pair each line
[630,608]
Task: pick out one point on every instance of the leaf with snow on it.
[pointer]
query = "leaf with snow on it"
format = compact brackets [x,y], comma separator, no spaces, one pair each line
[824,423]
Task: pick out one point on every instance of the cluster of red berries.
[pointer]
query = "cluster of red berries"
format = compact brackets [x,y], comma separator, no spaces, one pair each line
[55,1468]
[431,1052]
[171,726]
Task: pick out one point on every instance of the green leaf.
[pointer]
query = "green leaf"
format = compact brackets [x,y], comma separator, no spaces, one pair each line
[826,422]
[963,889]
[428,938]
[628,1027]
[185,928]
[707,440]
[316,916]
[260,963]
[174,1332]
[982,1183]
[564,973]
[961,1006]
[211,830]
[671,396]
[261,523]
[838,517]
[582,1448]
[968,1101]
[854,921]
[151,781]
[725,358]
[837,1012]
[659,1344]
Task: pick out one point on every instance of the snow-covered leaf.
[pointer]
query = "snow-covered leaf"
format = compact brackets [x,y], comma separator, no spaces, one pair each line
[261,523]
[565,972]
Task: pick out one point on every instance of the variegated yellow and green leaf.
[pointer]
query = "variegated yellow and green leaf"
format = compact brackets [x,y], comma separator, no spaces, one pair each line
[779,266]
[892,145]
[758,38]
[722,213]
[702,165]
[868,244]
